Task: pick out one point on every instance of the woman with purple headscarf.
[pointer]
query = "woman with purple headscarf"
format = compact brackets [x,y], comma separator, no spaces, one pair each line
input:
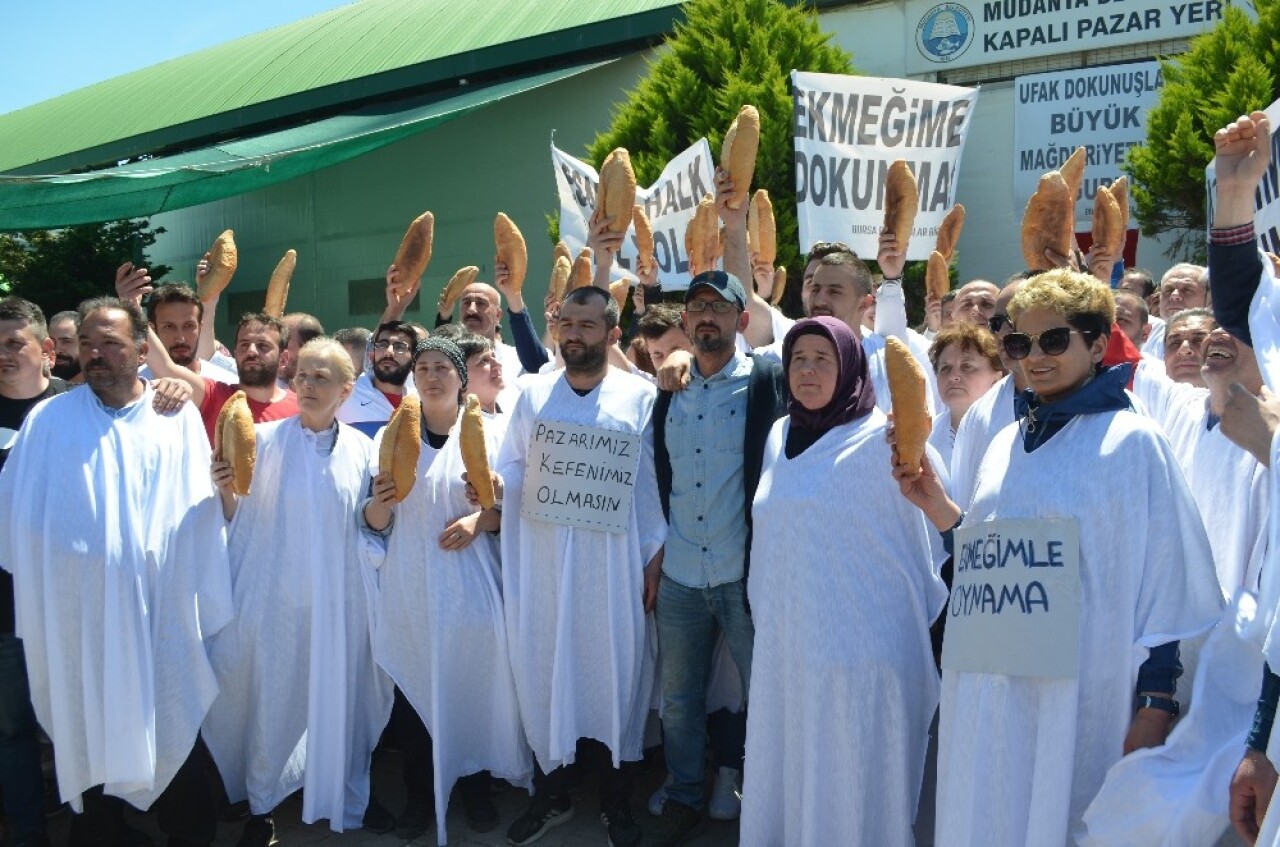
[843,586]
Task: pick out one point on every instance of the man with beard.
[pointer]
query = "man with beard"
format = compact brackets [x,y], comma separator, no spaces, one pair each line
[480,310]
[299,328]
[706,489]
[115,541]
[377,394]
[176,315]
[63,329]
[577,584]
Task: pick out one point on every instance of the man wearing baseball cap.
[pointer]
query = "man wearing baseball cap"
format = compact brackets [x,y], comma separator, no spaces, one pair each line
[708,446]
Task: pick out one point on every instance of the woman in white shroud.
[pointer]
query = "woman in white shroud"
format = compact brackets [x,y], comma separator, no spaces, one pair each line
[843,685]
[966,361]
[301,703]
[1024,745]
[439,627]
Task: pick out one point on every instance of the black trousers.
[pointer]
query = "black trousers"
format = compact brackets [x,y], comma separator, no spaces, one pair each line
[187,811]
[418,770]
[615,783]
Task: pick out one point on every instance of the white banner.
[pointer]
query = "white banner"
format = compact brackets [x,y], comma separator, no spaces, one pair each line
[580,476]
[670,203]
[1266,200]
[848,131]
[958,35]
[1015,599]
[1102,109]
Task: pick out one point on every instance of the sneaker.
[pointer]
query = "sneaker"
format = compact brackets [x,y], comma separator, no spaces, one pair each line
[415,820]
[544,812]
[679,823]
[726,797]
[622,827]
[377,819]
[260,831]
[658,798]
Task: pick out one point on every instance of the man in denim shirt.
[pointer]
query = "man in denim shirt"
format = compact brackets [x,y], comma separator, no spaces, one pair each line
[708,445]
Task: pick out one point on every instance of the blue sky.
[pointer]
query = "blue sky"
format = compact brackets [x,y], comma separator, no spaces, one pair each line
[55,46]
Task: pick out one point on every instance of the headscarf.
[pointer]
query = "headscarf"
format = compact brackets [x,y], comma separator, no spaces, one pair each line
[451,351]
[854,396]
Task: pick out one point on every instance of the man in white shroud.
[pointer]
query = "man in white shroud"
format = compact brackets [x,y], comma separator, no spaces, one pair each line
[576,597]
[118,553]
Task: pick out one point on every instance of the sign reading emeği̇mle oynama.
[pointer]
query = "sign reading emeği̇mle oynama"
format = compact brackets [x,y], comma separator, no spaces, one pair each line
[1015,599]
[580,476]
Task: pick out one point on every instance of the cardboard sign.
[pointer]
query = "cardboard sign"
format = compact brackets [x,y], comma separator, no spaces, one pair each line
[848,131]
[580,476]
[669,203]
[1015,599]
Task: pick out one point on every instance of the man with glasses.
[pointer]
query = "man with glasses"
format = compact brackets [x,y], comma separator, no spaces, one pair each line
[378,393]
[708,448]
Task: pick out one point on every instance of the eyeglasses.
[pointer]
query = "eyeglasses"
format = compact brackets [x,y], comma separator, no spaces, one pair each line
[1052,342]
[400,348]
[995,323]
[720,307]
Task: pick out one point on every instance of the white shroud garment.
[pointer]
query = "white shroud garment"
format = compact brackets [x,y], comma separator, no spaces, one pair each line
[439,629]
[1021,757]
[301,703]
[988,415]
[843,684]
[118,552]
[582,648]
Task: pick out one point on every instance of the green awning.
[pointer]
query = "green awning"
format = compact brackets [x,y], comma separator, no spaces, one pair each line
[145,188]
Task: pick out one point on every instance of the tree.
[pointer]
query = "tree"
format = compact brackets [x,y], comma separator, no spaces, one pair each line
[1229,71]
[727,53]
[57,269]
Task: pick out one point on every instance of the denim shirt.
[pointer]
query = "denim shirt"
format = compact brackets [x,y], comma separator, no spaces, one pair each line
[705,429]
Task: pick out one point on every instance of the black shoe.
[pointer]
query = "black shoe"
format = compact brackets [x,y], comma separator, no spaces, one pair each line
[415,821]
[231,812]
[544,812]
[482,815]
[679,823]
[377,819]
[622,827]
[260,831]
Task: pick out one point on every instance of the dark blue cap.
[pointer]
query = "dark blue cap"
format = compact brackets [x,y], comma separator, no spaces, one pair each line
[725,284]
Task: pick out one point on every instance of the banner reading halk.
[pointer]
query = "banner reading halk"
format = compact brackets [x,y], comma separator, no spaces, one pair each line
[670,203]
[848,131]
[580,476]
[1015,599]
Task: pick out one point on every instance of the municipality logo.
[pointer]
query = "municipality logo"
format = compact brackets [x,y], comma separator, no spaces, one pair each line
[945,32]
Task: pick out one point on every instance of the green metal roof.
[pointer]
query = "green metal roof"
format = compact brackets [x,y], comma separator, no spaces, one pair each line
[367,50]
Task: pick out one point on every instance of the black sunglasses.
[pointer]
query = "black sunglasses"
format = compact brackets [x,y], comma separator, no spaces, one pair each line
[995,323]
[1053,342]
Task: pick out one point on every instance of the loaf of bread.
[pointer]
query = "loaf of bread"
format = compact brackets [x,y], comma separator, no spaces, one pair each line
[475,454]
[1120,190]
[1106,223]
[1048,222]
[620,288]
[901,200]
[582,273]
[937,276]
[223,260]
[559,284]
[949,231]
[702,237]
[645,257]
[561,249]
[1073,171]
[461,279]
[414,253]
[402,444]
[617,193]
[278,288]
[779,285]
[738,153]
[907,389]
[235,442]
[511,249]
[762,229]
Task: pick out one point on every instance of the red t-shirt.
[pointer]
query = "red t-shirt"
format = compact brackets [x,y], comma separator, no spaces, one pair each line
[216,394]
[393,399]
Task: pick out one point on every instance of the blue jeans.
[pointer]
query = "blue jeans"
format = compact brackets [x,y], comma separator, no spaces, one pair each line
[687,619]
[21,778]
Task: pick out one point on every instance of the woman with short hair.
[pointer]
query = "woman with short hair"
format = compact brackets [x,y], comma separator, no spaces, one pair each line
[966,362]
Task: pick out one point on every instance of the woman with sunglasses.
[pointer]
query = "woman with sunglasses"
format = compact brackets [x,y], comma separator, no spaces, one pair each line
[439,628]
[843,683]
[1024,749]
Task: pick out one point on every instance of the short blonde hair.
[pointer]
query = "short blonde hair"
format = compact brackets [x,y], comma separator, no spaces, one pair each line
[333,353]
[1084,301]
